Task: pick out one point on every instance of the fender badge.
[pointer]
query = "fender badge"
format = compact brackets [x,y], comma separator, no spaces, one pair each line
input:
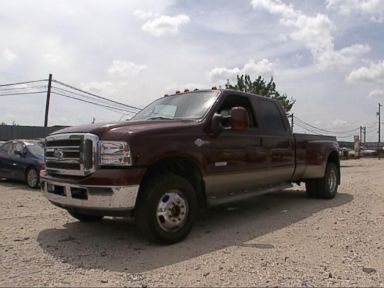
[200,142]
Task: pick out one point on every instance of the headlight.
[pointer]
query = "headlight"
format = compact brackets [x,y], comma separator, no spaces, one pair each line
[114,153]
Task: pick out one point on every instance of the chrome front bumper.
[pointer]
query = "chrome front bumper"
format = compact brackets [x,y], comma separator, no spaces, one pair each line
[90,197]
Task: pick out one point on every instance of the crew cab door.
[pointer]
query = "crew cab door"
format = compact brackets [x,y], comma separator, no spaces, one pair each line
[277,140]
[236,160]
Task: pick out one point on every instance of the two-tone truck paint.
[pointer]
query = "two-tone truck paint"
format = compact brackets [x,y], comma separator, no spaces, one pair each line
[181,153]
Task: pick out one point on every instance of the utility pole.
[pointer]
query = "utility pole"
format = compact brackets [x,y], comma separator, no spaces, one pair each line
[292,122]
[48,99]
[378,140]
[365,134]
[361,135]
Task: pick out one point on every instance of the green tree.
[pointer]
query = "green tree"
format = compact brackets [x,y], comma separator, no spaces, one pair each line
[262,88]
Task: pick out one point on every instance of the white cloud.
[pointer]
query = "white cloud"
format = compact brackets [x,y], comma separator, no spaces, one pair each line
[54,59]
[374,73]
[143,15]
[344,57]
[220,74]
[160,25]
[276,7]
[122,69]
[9,56]
[105,87]
[164,25]
[376,93]
[314,32]
[372,8]
[339,123]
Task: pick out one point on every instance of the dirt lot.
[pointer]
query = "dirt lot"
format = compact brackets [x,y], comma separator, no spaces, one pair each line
[282,239]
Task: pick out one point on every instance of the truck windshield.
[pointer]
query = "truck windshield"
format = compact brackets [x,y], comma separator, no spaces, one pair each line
[188,106]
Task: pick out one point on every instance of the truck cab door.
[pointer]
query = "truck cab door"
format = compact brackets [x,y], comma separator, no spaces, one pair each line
[236,160]
[277,140]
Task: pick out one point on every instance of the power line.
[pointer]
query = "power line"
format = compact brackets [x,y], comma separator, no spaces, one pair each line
[328,131]
[22,88]
[320,131]
[88,97]
[22,93]
[94,95]
[25,82]
[97,104]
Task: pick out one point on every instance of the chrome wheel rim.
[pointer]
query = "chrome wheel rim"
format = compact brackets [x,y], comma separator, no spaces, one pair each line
[172,211]
[332,180]
[32,178]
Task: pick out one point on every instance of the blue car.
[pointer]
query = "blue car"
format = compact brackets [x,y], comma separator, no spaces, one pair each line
[22,160]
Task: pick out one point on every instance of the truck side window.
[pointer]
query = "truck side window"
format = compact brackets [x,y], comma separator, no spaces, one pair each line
[269,115]
[238,101]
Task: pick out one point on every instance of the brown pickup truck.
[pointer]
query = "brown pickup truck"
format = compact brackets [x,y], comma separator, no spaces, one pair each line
[181,153]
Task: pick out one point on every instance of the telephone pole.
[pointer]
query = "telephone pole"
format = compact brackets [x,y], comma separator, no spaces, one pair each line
[291,122]
[365,134]
[361,135]
[48,99]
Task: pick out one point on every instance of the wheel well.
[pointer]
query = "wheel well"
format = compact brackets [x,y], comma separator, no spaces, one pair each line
[334,158]
[180,166]
[26,170]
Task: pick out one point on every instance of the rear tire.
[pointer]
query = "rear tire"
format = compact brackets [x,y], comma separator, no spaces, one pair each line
[166,209]
[85,217]
[325,187]
[32,178]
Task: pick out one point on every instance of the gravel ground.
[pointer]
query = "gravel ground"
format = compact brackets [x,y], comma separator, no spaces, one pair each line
[278,239]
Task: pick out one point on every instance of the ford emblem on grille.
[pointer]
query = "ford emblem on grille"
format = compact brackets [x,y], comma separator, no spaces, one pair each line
[58,153]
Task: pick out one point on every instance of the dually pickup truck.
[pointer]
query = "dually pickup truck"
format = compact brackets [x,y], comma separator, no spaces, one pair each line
[182,153]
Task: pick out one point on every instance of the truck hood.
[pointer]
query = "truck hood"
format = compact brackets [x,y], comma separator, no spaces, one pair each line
[126,127]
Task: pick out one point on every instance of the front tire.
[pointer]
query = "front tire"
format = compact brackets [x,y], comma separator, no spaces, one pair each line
[85,217]
[166,209]
[325,187]
[32,178]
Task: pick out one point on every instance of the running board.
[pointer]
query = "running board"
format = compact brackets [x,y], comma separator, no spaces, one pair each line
[246,195]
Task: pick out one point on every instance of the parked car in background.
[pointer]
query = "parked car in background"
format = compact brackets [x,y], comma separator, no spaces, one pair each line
[22,160]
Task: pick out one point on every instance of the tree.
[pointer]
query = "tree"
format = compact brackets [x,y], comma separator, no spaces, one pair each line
[262,88]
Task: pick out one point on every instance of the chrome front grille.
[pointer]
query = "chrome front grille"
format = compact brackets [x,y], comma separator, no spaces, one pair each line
[71,154]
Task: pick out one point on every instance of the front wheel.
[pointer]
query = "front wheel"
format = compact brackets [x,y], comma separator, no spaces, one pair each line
[32,177]
[325,187]
[166,209]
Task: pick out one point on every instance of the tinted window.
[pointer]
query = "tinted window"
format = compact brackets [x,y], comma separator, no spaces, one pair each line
[269,115]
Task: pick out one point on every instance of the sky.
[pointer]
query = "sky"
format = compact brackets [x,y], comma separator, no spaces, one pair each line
[328,55]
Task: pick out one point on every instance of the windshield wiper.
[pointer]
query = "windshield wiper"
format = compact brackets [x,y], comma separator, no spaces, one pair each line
[159,118]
